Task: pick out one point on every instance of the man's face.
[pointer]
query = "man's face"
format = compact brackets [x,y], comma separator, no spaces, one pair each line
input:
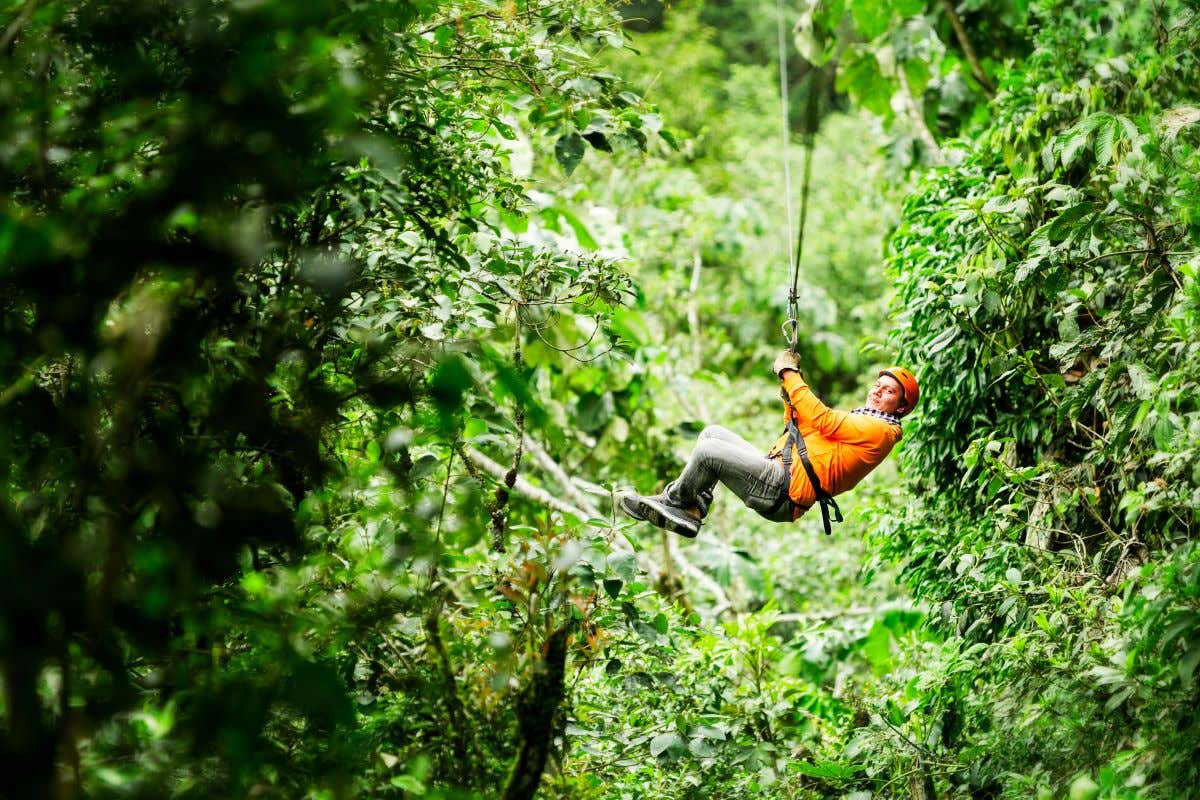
[887,395]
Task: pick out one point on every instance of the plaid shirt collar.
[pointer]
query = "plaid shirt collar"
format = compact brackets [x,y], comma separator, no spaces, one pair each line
[883,415]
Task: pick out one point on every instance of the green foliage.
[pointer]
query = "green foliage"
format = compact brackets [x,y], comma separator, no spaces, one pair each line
[1047,296]
[249,251]
[712,215]
[926,69]
[328,330]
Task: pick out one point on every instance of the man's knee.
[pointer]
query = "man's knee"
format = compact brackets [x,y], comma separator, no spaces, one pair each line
[709,450]
[712,432]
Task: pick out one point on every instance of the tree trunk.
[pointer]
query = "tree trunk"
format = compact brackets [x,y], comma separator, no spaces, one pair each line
[536,710]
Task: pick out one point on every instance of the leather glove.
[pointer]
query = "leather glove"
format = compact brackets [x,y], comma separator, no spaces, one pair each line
[785,360]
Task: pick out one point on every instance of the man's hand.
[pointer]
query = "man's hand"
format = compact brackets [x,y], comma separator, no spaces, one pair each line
[786,360]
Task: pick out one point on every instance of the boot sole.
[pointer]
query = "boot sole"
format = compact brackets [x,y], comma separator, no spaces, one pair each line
[662,517]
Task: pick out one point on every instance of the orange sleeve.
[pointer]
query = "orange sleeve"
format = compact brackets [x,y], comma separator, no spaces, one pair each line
[835,425]
[809,409]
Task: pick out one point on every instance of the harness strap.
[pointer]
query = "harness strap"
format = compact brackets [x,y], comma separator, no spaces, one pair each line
[795,439]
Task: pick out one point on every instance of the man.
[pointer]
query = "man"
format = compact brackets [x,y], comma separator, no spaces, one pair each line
[822,453]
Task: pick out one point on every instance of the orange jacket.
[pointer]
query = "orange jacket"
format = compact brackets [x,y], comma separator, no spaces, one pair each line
[843,447]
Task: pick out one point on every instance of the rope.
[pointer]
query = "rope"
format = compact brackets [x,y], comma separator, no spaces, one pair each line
[784,133]
[791,328]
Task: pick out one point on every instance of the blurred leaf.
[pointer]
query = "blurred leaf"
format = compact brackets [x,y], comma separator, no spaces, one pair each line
[569,151]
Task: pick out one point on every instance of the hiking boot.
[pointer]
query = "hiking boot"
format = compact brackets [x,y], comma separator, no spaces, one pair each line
[631,504]
[631,508]
[677,519]
[662,513]
[703,500]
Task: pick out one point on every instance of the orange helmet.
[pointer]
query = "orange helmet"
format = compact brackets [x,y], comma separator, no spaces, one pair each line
[908,384]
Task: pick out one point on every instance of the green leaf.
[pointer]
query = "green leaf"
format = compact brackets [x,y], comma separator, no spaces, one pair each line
[916,70]
[450,382]
[1069,219]
[645,630]
[581,232]
[1187,664]
[593,411]
[860,77]
[424,466]
[1076,140]
[711,732]
[1083,788]
[504,129]
[871,17]
[631,326]
[443,36]
[569,151]
[409,784]
[942,341]
[1141,381]
[1118,698]
[1106,136]
[623,565]
[316,690]
[877,647]
[254,583]
[612,587]
[598,141]
[664,742]
[829,770]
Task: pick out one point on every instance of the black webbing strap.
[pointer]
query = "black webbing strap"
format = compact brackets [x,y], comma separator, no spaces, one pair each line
[823,497]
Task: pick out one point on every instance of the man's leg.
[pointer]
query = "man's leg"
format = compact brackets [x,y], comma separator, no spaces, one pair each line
[723,456]
[720,456]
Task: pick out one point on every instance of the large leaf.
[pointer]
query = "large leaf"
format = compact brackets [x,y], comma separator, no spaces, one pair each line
[860,77]
[569,150]
[664,742]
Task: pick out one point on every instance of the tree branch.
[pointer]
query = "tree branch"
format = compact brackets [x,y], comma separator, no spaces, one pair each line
[500,499]
[693,318]
[918,118]
[852,611]
[13,30]
[454,704]
[693,311]
[520,485]
[960,33]
[552,468]
[721,599]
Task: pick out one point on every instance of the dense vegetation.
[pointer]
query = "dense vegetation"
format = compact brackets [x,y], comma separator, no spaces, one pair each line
[329,328]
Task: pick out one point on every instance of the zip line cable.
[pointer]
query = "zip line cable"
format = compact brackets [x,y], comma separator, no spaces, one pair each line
[784,132]
[791,328]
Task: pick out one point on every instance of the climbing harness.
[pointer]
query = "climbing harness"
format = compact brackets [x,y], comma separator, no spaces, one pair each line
[824,498]
[791,328]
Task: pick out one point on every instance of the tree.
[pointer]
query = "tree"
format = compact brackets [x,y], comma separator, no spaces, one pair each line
[239,241]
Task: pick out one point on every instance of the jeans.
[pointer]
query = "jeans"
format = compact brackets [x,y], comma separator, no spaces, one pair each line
[721,455]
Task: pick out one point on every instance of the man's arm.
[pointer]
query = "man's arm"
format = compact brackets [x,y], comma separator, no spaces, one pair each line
[810,409]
